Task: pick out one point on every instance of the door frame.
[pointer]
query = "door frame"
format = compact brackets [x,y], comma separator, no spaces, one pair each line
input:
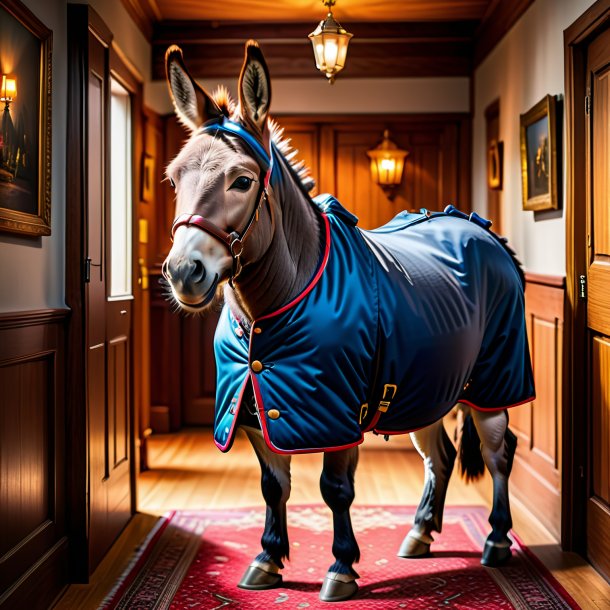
[83,21]
[576,466]
[123,71]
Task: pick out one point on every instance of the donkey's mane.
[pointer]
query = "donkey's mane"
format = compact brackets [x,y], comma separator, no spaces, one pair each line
[230,109]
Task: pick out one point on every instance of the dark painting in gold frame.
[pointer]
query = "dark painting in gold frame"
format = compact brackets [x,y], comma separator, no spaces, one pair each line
[25,133]
[495,159]
[539,156]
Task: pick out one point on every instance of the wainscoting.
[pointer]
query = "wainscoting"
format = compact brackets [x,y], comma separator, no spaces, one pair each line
[33,542]
[536,476]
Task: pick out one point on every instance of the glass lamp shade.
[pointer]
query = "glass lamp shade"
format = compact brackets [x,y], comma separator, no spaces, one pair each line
[387,162]
[8,91]
[330,41]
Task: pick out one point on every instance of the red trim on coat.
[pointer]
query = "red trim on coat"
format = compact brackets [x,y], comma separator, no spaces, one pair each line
[469,404]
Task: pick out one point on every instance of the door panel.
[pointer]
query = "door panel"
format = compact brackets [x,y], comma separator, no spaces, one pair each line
[598,302]
[108,315]
[601,418]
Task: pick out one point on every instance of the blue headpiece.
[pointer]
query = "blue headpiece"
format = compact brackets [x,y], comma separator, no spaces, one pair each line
[225,125]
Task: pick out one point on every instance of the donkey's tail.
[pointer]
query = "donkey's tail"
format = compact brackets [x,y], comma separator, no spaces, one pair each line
[470,459]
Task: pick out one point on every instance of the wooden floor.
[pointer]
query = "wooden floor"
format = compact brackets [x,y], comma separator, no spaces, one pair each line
[188,472]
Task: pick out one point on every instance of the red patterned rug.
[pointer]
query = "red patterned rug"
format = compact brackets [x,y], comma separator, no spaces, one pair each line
[195,559]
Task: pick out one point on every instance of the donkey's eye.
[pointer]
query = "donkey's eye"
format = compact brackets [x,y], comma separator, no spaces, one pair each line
[241,184]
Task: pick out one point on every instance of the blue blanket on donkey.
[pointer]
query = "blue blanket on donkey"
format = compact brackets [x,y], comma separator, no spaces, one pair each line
[397,326]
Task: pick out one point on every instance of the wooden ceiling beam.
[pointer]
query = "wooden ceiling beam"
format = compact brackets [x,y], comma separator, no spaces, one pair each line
[207,31]
[377,49]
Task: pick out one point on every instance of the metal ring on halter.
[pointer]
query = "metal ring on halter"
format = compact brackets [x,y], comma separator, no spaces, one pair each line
[236,243]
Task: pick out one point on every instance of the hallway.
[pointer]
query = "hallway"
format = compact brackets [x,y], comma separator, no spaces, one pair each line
[188,472]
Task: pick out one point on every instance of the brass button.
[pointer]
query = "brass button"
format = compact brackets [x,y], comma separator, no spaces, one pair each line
[258,330]
[257,366]
[273,414]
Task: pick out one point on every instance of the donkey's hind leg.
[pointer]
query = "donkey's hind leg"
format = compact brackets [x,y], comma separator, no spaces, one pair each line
[264,571]
[438,454]
[337,487]
[498,445]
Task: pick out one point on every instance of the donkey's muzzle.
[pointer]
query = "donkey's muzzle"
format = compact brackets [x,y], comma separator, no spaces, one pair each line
[185,273]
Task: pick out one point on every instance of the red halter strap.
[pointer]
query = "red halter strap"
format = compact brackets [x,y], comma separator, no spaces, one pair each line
[234,241]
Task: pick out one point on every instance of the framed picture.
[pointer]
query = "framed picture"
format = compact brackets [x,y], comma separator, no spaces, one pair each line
[539,166]
[25,134]
[148,178]
[494,165]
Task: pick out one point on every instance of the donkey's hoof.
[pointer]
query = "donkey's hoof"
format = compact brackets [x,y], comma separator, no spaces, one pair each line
[496,554]
[413,548]
[338,587]
[257,578]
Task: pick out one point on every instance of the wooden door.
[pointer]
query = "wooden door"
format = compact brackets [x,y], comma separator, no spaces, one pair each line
[108,295]
[99,269]
[598,301]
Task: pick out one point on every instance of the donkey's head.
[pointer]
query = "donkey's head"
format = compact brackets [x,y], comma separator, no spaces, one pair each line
[220,177]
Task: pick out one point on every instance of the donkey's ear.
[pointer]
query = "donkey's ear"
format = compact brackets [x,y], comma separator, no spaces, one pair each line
[254,87]
[192,103]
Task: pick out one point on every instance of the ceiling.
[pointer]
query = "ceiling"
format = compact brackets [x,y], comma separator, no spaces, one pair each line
[310,10]
[392,38]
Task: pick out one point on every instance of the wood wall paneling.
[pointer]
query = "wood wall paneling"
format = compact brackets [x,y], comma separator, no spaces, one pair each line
[198,370]
[146,237]
[165,361]
[437,169]
[33,536]
[536,475]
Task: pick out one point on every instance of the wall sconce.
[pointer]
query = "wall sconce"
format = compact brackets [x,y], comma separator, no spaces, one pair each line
[8,91]
[329,41]
[387,164]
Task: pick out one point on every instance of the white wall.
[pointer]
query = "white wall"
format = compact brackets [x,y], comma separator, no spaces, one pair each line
[525,66]
[359,95]
[32,269]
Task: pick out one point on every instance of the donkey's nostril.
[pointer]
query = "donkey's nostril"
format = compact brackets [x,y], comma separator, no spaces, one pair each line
[198,273]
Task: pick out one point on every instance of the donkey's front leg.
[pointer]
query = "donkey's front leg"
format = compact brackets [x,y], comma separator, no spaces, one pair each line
[337,486]
[498,446]
[438,454]
[264,571]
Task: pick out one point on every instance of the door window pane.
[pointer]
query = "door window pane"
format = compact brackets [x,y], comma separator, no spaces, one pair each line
[120,190]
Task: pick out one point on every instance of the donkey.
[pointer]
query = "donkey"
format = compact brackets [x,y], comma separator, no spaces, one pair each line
[328,331]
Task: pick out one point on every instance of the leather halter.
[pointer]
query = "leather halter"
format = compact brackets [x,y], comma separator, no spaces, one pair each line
[234,241]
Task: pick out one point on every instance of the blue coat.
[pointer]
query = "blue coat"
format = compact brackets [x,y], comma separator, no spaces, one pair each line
[397,326]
